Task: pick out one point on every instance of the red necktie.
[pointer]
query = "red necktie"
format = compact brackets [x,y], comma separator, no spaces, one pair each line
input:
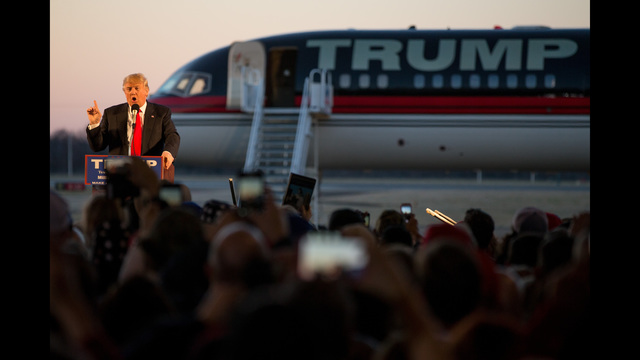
[137,137]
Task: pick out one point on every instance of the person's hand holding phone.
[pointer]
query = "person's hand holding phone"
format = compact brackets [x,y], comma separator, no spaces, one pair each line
[271,219]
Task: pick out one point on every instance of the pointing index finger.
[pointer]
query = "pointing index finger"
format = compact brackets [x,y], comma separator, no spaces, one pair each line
[95,104]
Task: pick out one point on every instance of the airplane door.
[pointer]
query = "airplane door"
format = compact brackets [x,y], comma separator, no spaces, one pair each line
[250,54]
[281,77]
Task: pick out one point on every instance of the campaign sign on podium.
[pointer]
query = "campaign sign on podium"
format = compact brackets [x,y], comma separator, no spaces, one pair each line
[95,173]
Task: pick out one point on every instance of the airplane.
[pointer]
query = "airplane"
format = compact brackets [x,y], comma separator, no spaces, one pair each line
[441,99]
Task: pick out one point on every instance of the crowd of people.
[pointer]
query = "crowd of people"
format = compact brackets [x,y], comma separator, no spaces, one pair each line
[137,278]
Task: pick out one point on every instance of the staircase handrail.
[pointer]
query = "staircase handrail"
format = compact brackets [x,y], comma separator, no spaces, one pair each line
[304,124]
[251,81]
[321,99]
[252,145]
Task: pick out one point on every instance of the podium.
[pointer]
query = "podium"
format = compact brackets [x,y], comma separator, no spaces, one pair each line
[95,173]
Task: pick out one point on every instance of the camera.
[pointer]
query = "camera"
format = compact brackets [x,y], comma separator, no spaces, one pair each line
[119,186]
[251,190]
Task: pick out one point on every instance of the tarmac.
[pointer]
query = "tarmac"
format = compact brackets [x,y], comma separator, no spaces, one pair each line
[451,196]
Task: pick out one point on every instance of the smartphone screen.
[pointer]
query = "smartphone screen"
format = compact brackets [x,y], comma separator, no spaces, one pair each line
[328,253]
[172,194]
[251,191]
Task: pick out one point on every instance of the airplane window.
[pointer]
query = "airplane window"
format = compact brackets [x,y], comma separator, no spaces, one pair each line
[456,81]
[493,81]
[345,81]
[512,81]
[197,87]
[168,85]
[383,81]
[418,81]
[437,81]
[474,81]
[200,84]
[530,81]
[182,84]
[549,81]
[364,81]
[187,83]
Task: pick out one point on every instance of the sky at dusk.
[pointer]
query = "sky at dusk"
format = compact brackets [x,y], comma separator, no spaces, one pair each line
[95,44]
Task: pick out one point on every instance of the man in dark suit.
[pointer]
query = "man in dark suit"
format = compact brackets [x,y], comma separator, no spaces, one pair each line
[116,130]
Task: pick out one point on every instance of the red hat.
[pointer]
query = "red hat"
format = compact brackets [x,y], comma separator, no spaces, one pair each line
[446,231]
[553,220]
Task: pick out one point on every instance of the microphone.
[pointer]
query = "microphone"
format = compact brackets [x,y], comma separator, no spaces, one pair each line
[135,108]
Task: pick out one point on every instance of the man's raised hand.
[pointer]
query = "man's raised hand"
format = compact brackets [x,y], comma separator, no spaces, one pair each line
[94,114]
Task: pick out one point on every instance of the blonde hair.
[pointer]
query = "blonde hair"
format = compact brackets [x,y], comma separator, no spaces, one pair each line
[136,78]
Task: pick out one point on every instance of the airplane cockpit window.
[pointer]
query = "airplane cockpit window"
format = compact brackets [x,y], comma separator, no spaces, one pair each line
[187,83]
[170,84]
[199,85]
[182,84]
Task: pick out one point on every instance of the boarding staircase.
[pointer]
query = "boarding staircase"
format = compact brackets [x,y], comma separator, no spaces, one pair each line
[280,137]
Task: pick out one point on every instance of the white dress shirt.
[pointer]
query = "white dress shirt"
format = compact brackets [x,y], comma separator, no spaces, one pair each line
[130,121]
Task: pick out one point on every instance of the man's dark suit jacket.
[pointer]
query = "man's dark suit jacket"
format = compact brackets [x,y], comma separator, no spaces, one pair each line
[158,134]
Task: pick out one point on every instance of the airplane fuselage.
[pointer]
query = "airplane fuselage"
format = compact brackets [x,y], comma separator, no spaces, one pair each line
[402,99]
